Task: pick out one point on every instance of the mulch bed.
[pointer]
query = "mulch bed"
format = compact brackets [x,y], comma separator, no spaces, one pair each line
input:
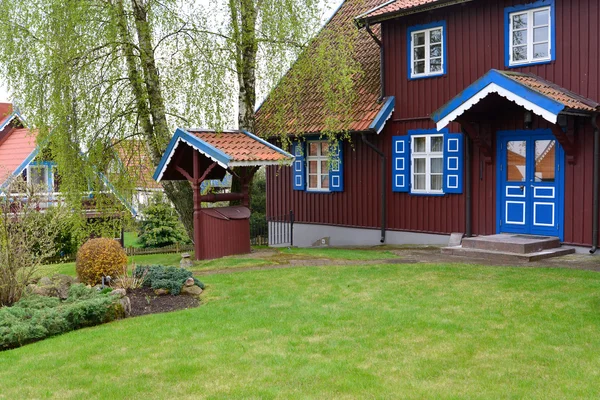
[144,301]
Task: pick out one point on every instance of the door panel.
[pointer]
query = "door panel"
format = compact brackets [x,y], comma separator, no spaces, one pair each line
[530,183]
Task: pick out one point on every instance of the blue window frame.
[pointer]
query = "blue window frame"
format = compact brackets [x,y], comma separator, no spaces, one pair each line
[317,168]
[427,56]
[530,34]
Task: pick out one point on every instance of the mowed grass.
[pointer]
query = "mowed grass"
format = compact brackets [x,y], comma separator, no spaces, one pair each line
[374,331]
[267,257]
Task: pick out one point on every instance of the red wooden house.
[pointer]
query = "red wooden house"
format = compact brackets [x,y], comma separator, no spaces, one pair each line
[494,127]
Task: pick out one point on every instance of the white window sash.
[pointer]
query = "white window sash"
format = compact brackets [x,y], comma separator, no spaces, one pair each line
[318,158]
[530,39]
[427,34]
[428,155]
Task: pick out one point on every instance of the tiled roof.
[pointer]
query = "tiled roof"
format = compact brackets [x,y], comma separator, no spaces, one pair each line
[306,112]
[137,162]
[239,146]
[390,8]
[15,148]
[569,99]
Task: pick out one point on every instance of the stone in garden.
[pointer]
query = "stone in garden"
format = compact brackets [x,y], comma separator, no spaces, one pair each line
[126,304]
[186,261]
[161,292]
[45,281]
[189,282]
[43,290]
[62,283]
[118,292]
[191,290]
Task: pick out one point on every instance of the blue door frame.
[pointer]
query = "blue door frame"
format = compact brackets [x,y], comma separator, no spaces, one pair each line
[531,205]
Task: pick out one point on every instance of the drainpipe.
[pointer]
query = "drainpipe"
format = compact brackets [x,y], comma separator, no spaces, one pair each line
[383,183]
[468,188]
[596,184]
[381,61]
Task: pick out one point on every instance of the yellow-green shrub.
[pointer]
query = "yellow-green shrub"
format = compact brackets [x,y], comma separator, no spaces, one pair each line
[98,258]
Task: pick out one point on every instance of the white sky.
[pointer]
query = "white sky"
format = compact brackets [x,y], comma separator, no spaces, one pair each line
[3,94]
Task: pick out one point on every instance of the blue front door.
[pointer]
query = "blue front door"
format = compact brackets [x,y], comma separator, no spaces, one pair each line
[530,183]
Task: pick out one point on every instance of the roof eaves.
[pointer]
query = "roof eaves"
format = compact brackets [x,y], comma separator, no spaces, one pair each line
[362,19]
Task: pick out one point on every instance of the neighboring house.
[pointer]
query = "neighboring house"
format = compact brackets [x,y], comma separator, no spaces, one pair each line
[495,114]
[134,158]
[20,155]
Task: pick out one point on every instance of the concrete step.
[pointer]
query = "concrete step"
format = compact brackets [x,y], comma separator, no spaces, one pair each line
[512,243]
[506,256]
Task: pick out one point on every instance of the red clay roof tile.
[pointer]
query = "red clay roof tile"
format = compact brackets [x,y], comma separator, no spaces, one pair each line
[137,162]
[239,146]
[395,6]
[17,146]
[309,105]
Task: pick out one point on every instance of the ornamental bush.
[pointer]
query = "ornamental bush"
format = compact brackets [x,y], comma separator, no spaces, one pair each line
[100,257]
[161,277]
[36,317]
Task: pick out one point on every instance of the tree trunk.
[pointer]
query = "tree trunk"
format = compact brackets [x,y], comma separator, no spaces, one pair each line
[150,103]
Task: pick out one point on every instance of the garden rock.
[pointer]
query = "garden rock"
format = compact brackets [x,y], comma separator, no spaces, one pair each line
[62,283]
[189,282]
[161,292]
[191,290]
[43,290]
[57,286]
[186,261]
[45,281]
[126,304]
[118,292]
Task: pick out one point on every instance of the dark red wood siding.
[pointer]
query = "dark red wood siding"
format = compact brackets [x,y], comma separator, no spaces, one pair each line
[475,45]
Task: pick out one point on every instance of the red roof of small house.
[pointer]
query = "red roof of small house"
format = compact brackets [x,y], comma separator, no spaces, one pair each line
[5,112]
[134,157]
[306,112]
[239,146]
[394,8]
[14,150]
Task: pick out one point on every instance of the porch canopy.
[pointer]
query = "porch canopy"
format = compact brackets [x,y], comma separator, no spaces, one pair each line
[529,91]
[197,155]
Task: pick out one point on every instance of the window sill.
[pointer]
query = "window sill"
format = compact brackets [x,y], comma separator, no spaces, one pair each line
[529,64]
[421,194]
[317,191]
[418,77]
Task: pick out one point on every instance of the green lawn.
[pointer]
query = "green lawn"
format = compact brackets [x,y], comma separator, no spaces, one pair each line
[130,239]
[374,331]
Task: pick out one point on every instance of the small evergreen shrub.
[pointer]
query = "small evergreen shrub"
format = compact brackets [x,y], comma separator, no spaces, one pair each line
[161,226]
[100,257]
[162,277]
[37,317]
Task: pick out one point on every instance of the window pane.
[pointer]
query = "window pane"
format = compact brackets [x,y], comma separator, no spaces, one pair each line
[540,50]
[437,144]
[519,37]
[313,148]
[419,53]
[312,167]
[436,182]
[540,34]
[420,67]
[520,53]
[545,157]
[520,21]
[324,181]
[420,166]
[437,165]
[324,169]
[324,148]
[420,145]
[37,176]
[419,39]
[541,18]
[515,161]
[312,181]
[435,36]
[419,182]
[435,65]
[435,50]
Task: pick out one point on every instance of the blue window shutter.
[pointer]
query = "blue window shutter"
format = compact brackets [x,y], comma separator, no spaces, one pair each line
[336,169]
[299,166]
[453,163]
[401,164]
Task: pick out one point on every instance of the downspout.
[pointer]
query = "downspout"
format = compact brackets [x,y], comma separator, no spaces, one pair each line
[381,61]
[383,183]
[596,184]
